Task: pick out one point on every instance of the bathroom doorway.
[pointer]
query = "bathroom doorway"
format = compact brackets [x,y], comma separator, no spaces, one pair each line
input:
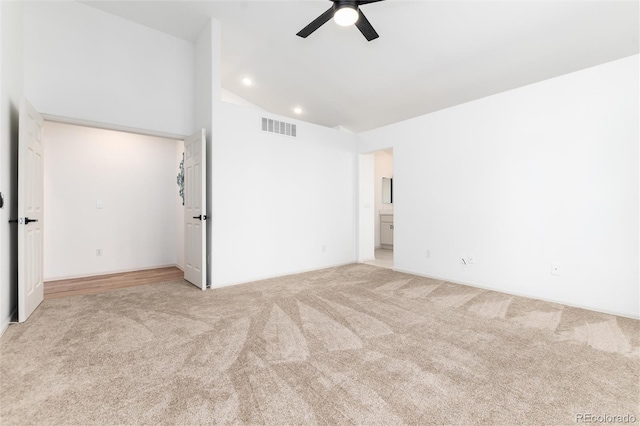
[383,223]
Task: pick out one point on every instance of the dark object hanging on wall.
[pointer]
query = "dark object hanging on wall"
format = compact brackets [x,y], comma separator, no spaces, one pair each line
[180,179]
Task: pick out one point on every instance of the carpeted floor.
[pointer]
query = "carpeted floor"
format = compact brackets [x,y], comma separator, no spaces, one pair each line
[350,345]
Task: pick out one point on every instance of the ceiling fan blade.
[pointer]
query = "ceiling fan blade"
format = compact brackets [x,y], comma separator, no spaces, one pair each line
[365,27]
[316,23]
[360,2]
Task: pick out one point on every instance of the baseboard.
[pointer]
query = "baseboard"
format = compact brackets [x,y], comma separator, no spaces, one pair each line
[179,267]
[528,296]
[122,271]
[7,321]
[262,278]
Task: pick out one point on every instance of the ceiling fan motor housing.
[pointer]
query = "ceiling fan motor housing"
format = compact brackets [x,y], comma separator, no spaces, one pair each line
[339,4]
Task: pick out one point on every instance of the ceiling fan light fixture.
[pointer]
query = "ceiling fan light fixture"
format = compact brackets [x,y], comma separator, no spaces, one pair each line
[345,13]
[345,16]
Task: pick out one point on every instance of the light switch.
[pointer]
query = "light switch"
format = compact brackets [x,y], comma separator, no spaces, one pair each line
[98,204]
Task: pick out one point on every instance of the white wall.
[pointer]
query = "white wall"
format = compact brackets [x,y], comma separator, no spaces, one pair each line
[546,173]
[232,98]
[383,168]
[11,14]
[273,202]
[277,200]
[82,63]
[366,208]
[134,177]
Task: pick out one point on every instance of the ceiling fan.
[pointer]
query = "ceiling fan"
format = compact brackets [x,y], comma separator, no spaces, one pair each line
[345,13]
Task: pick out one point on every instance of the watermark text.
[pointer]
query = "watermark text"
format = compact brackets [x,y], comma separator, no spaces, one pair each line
[605,418]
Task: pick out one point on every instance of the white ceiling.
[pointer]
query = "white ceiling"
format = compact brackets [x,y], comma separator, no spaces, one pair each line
[430,55]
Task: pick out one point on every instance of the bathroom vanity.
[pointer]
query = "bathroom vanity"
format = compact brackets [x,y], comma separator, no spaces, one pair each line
[386,230]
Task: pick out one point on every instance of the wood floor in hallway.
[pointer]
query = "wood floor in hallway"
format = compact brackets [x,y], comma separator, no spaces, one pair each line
[102,283]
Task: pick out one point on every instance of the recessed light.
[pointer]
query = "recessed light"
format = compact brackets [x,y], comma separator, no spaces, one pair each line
[297,110]
[247,81]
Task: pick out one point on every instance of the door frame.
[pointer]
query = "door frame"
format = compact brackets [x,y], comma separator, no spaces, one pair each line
[114,127]
[367,211]
[107,126]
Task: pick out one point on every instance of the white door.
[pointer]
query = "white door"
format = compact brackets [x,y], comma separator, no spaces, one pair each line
[30,211]
[195,202]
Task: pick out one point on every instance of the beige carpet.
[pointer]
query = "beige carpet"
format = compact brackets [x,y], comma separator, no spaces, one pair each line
[349,345]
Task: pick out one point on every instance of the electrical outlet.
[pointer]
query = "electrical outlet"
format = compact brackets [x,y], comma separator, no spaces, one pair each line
[98,252]
[428,254]
[555,269]
[324,248]
[98,204]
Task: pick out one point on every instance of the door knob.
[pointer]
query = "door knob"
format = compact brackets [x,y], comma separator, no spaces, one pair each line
[201,217]
[22,221]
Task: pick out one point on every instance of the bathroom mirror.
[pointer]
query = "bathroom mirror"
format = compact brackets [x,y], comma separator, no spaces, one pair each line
[387,190]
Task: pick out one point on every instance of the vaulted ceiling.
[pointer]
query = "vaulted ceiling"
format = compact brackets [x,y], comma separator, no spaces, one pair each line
[430,55]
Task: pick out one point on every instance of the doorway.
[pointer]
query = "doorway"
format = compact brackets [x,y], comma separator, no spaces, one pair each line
[111,201]
[383,211]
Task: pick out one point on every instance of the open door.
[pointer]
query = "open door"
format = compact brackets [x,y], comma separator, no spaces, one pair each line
[195,202]
[30,211]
